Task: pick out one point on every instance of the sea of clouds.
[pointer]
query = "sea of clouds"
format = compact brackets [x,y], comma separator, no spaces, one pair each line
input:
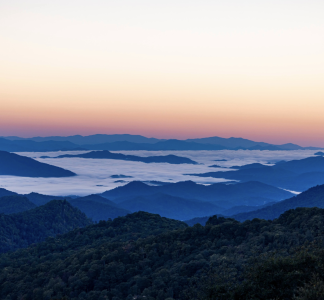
[94,175]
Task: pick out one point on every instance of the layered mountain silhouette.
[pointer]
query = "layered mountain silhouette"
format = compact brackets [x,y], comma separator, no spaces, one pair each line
[26,145]
[221,195]
[170,206]
[171,159]
[94,206]
[16,165]
[181,200]
[244,208]
[98,208]
[162,145]
[298,175]
[314,197]
[93,139]
[117,142]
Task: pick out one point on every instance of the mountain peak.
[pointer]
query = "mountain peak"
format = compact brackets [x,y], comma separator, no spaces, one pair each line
[136,184]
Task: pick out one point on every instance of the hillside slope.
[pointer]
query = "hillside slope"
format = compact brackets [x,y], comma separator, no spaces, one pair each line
[35,225]
[126,259]
[14,204]
[98,208]
[314,197]
[170,206]
[222,195]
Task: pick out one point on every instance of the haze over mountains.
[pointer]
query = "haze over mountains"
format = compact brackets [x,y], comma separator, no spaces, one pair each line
[259,194]
[128,199]
[181,200]
[134,142]
[222,195]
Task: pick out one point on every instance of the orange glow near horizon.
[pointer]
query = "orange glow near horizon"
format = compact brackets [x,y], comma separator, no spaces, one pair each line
[168,70]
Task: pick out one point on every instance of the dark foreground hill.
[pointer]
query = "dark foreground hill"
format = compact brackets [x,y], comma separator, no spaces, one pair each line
[171,159]
[35,225]
[314,197]
[16,165]
[144,256]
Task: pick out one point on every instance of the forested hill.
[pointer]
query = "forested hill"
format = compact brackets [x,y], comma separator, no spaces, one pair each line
[125,259]
[35,225]
[14,204]
[314,197]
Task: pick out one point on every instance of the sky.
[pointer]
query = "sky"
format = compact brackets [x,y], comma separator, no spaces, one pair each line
[166,69]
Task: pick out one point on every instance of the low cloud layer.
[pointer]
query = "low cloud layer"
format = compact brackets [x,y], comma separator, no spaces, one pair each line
[94,175]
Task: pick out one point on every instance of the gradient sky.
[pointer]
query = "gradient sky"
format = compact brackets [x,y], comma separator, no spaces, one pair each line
[169,69]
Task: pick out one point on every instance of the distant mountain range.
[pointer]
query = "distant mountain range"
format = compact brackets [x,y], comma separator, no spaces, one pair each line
[17,165]
[117,142]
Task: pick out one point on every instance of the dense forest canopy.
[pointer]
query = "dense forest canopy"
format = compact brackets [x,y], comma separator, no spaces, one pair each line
[35,225]
[14,204]
[149,257]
